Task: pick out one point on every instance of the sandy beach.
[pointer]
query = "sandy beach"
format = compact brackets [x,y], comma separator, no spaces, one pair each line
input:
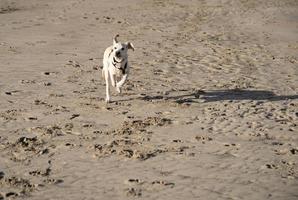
[210,109]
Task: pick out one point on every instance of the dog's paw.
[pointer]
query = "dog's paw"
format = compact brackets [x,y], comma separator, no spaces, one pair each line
[108,100]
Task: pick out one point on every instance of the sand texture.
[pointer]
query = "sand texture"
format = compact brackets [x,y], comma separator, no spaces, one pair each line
[210,110]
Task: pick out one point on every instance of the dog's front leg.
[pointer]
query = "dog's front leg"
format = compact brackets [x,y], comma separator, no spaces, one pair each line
[113,79]
[121,82]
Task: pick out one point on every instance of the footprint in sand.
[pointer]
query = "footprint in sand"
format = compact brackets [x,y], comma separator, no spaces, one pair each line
[271,166]
[51,131]
[133,181]
[231,145]
[163,183]
[203,139]
[1,175]
[11,194]
[31,118]
[47,83]
[49,73]
[8,9]
[24,186]
[74,64]
[87,125]
[53,181]
[12,92]
[24,81]
[177,141]
[133,192]
[41,172]
[69,144]
[294,151]
[9,115]
[74,116]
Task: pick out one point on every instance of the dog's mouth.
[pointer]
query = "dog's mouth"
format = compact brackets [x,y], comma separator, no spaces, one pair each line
[117,60]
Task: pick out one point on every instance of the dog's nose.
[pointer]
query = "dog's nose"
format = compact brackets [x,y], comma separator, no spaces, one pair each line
[118,54]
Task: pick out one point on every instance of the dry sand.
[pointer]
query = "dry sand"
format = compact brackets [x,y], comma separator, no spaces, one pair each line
[209,112]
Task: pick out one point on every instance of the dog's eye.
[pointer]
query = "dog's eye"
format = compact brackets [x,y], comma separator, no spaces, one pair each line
[115,47]
[122,49]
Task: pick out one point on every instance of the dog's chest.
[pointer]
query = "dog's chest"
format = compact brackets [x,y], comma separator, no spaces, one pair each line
[119,70]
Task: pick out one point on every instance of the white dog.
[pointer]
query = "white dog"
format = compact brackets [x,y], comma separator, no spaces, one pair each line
[115,65]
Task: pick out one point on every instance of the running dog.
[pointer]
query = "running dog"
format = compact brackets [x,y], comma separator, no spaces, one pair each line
[115,65]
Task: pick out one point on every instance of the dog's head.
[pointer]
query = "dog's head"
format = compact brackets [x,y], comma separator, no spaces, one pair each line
[119,51]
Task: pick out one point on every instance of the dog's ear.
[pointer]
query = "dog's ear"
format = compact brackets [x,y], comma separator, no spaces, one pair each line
[115,40]
[130,45]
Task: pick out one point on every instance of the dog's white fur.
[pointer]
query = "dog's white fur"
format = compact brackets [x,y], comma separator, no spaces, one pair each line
[115,65]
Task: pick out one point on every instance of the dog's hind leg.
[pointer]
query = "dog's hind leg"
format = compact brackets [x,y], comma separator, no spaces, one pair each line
[106,74]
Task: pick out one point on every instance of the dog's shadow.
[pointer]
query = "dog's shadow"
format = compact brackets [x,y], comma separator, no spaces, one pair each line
[198,96]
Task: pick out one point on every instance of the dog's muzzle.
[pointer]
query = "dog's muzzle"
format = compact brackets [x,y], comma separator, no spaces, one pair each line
[118,55]
[115,61]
